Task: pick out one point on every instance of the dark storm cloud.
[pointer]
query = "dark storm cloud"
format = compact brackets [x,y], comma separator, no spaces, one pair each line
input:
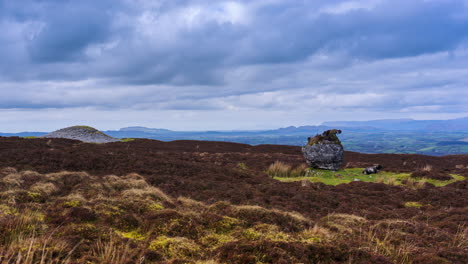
[69,29]
[195,54]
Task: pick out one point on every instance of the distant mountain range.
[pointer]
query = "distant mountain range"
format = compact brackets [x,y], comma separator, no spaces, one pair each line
[431,137]
[460,124]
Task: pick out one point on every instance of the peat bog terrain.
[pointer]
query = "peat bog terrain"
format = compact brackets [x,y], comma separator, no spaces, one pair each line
[147,201]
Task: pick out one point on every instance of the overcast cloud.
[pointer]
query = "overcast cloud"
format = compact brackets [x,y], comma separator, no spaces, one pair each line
[196,65]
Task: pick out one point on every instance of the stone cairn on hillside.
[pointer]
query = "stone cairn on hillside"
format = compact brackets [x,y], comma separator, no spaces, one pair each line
[82,133]
[324,151]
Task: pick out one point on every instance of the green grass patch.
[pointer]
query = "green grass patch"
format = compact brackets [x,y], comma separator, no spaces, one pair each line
[355,174]
[439,183]
[413,204]
[127,139]
[30,137]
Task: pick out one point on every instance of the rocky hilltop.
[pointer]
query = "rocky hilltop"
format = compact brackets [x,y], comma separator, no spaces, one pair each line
[82,133]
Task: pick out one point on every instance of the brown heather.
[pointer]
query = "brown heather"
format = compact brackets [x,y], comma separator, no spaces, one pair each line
[121,220]
[143,201]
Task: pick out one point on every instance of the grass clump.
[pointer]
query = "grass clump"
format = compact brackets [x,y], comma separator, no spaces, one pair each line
[283,170]
[279,169]
[113,250]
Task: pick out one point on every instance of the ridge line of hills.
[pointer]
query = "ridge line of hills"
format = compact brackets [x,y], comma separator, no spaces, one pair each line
[428,137]
[458,125]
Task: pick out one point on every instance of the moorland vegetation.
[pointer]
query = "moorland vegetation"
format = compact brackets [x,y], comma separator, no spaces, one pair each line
[146,201]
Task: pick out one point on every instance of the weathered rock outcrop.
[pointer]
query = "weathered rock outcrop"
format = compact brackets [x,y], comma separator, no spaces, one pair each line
[324,151]
[82,133]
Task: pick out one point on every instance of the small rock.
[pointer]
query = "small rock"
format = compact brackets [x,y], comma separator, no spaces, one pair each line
[372,169]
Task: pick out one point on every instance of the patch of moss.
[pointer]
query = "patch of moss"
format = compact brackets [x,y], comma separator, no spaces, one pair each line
[111,210]
[174,247]
[37,216]
[242,166]
[127,139]
[133,235]
[73,203]
[35,197]
[213,241]
[310,237]
[250,234]
[86,231]
[413,204]
[7,210]
[225,225]
[155,207]
[29,137]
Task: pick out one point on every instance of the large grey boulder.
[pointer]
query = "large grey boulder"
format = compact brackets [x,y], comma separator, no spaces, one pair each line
[324,151]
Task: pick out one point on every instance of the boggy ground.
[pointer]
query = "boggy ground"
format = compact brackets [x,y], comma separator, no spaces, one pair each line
[230,210]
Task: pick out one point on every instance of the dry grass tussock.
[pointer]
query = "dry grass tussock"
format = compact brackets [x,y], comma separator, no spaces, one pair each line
[261,210]
[130,181]
[116,251]
[343,223]
[45,188]
[384,243]
[147,192]
[281,169]
[23,241]
[66,177]
[191,204]
[415,184]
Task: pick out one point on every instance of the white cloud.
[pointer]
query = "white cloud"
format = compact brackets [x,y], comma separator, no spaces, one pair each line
[347,6]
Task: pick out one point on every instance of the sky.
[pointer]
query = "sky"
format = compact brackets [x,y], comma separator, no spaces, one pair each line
[229,65]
